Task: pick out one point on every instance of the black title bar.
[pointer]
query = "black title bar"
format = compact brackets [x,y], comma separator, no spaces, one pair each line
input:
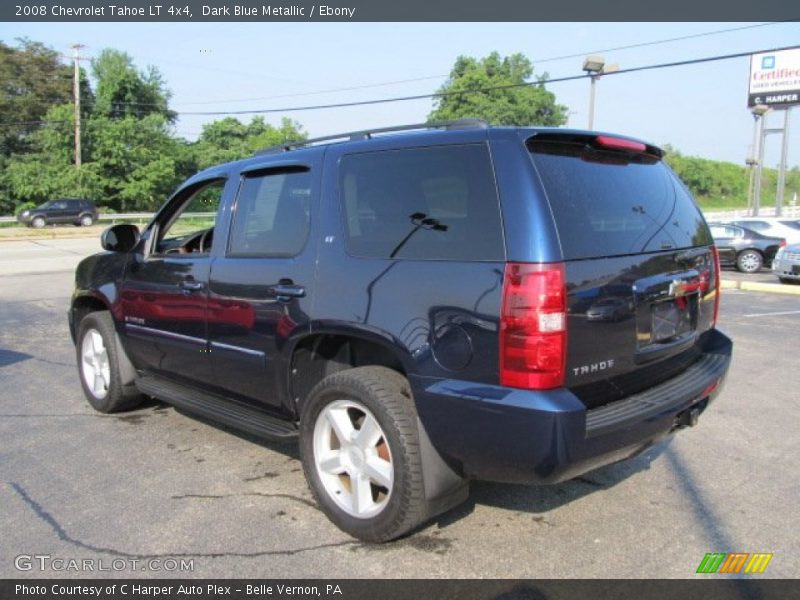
[708,588]
[395,10]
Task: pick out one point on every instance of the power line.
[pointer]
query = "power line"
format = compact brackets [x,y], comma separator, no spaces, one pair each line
[478,90]
[680,63]
[536,62]
[430,77]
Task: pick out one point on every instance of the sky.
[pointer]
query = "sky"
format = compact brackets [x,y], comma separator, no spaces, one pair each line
[699,109]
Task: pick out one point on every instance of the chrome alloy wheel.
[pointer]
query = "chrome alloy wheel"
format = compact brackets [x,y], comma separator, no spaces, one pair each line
[94,364]
[353,460]
[750,262]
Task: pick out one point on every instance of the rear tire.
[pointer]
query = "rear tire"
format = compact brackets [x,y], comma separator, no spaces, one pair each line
[749,261]
[360,447]
[87,221]
[98,365]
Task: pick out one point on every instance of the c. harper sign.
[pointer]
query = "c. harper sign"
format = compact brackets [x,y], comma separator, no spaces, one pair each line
[775,78]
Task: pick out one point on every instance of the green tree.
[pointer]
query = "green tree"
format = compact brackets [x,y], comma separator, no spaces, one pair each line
[130,164]
[718,184]
[229,139]
[138,161]
[124,91]
[520,105]
[47,170]
[32,79]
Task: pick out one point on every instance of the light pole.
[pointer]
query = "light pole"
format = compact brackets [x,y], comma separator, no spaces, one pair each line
[595,66]
[762,138]
[758,111]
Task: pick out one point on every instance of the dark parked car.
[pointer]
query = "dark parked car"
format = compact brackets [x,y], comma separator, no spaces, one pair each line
[747,250]
[412,305]
[64,210]
[610,309]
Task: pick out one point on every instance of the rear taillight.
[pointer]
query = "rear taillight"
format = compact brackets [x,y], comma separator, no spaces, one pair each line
[533,326]
[782,244]
[717,285]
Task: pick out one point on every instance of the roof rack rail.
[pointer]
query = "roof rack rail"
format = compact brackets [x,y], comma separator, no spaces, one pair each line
[366,134]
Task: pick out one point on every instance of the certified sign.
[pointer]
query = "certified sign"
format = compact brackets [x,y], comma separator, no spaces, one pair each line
[775,78]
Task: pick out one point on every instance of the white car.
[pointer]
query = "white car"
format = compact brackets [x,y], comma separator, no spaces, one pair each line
[787,264]
[768,226]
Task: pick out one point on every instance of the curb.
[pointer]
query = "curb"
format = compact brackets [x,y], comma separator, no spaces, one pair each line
[752,286]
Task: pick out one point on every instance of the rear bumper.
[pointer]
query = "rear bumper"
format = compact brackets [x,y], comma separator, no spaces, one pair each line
[516,436]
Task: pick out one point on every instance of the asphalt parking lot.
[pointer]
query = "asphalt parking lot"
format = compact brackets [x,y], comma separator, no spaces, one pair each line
[158,484]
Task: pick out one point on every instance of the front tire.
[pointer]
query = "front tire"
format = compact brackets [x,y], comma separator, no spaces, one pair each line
[749,261]
[38,222]
[98,365]
[361,453]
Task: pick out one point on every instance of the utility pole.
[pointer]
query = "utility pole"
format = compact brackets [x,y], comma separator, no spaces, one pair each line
[76,94]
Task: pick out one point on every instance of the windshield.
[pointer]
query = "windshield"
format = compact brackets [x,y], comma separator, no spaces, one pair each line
[607,202]
[46,204]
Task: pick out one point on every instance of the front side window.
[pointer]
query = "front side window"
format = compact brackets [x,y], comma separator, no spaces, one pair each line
[190,228]
[272,215]
[435,203]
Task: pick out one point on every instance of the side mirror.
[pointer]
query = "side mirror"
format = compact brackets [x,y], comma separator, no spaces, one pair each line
[120,238]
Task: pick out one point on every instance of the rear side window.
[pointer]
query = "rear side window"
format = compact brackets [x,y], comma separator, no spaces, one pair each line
[607,202]
[272,214]
[436,203]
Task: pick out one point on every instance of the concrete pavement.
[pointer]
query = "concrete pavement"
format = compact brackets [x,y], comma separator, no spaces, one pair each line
[45,256]
[157,483]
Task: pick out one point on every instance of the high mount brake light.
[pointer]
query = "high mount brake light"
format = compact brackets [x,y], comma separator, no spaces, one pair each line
[614,143]
[533,327]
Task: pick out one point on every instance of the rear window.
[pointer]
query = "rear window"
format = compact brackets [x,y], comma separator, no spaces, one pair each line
[435,203]
[609,202]
[759,226]
[792,224]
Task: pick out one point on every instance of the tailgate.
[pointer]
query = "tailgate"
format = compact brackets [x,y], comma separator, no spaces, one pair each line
[635,321]
[639,262]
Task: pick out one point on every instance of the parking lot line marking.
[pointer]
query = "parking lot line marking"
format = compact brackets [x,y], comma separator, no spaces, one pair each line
[775,314]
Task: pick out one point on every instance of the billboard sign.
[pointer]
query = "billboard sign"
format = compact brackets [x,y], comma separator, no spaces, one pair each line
[775,78]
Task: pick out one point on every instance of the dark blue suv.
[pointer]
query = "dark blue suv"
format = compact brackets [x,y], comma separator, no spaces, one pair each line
[421,306]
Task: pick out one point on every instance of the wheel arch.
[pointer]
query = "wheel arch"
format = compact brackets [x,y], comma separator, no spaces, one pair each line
[326,351]
[83,305]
